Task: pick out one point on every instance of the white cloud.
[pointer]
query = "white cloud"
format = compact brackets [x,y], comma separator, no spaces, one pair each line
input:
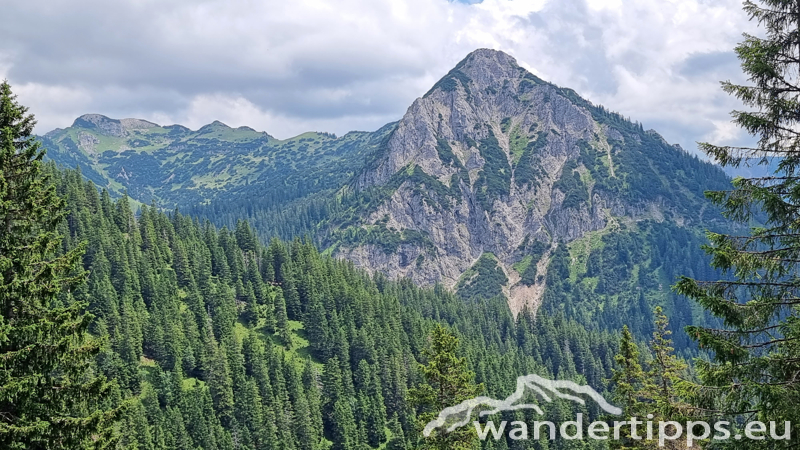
[287,67]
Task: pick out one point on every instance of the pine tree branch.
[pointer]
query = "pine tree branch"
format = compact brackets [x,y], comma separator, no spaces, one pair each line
[748,283]
[772,342]
[735,332]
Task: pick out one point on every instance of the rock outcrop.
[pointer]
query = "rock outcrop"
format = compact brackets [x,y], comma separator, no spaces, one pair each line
[495,160]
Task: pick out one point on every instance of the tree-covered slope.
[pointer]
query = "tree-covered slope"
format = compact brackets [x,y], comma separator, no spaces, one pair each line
[221,342]
[175,166]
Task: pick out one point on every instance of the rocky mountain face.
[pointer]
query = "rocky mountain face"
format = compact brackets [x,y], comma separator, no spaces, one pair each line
[495,182]
[493,168]
[175,166]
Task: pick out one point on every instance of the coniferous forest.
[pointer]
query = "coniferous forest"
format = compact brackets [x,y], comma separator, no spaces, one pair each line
[218,341]
[232,325]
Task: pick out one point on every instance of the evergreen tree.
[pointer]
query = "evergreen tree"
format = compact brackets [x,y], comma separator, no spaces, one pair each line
[666,369]
[50,398]
[654,394]
[282,321]
[398,440]
[344,433]
[448,382]
[372,409]
[629,386]
[756,354]
[314,398]
[338,416]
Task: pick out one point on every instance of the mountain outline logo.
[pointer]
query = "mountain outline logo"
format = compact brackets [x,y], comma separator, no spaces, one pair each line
[546,388]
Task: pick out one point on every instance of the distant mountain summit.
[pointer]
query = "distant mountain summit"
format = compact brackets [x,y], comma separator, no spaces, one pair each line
[111,127]
[175,166]
[492,168]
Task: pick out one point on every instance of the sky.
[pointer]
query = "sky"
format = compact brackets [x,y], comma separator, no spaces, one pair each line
[286,67]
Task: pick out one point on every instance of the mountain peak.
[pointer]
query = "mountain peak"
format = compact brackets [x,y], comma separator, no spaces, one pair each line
[92,120]
[214,126]
[488,57]
[111,127]
[101,124]
[485,68]
[494,167]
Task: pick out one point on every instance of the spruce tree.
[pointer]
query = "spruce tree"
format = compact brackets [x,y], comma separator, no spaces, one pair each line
[314,397]
[629,376]
[666,369]
[655,392]
[49,395]
[629,385]
[282,320]
[448,382]
[398,440]
[756,352]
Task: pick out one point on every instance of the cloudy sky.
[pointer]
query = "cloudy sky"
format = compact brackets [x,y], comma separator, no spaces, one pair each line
[291,66]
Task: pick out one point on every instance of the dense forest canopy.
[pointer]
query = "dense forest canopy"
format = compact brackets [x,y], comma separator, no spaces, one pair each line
[224,342]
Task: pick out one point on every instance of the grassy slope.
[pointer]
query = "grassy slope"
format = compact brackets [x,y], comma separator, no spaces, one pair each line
[176,166]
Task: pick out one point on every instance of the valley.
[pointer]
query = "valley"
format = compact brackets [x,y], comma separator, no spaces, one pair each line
[491,164]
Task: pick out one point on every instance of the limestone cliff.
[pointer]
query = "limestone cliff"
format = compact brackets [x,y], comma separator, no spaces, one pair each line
[493,160]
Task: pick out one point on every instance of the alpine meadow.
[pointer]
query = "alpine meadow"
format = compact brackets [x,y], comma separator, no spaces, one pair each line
[506,266]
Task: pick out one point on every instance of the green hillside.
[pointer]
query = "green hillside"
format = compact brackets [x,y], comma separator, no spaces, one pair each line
[221,342]
[174,166]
